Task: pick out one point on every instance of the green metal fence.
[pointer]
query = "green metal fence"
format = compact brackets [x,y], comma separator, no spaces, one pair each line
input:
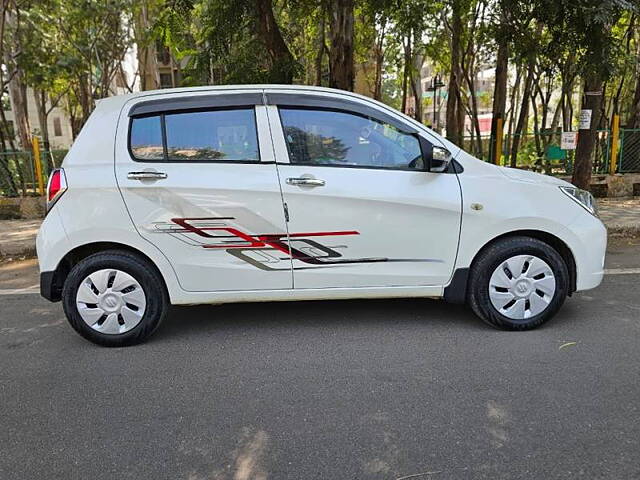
[17,171]
[540,151]
[629,153]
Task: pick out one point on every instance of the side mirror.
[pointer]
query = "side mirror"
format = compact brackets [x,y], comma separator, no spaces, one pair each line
[437,159]
[440,160]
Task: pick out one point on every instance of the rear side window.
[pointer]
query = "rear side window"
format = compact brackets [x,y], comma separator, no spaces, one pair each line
[216,135]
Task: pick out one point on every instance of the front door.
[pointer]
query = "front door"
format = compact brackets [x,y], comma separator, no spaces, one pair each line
[200,183]
[363,212]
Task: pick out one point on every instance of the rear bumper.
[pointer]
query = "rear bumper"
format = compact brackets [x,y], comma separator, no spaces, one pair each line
[48,287]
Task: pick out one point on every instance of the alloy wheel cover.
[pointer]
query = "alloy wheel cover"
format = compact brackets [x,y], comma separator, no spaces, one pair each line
[522,287]
[111,301]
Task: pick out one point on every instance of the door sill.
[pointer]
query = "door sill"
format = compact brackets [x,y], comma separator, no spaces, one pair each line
[284,295]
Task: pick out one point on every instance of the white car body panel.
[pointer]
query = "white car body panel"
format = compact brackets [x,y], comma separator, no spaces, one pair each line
[101,205]
[246,195]
[409,220]
[528,201]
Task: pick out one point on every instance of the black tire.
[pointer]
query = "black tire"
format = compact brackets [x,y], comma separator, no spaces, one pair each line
[157,300]
[490,258]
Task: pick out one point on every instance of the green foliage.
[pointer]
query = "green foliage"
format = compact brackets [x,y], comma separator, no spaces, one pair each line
[218,37]
[586,28]
[73,48]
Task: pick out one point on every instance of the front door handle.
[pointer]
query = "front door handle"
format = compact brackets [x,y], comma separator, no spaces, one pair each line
[146,175]
[307,182]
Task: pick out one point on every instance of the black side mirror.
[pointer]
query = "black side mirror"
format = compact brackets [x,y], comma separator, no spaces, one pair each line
[437,159]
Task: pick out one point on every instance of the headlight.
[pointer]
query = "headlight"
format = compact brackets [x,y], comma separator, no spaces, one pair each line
[583,198]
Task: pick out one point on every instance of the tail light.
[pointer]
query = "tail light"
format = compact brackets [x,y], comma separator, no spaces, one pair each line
[56,186]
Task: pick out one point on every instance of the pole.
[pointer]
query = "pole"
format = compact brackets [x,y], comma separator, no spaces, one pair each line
[38,164]
[435,94]
[615,138]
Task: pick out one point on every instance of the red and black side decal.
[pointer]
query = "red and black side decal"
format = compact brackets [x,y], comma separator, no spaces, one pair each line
[215,233]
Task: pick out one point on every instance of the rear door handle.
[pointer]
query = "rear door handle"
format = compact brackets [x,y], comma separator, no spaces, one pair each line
[309,182]
[146,175]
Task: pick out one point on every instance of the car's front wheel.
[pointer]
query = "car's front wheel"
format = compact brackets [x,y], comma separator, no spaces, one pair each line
[114,298]
[518,283]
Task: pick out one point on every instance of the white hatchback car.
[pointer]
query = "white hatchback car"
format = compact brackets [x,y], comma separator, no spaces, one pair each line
[269,193]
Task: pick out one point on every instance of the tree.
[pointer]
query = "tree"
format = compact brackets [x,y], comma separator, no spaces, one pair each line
[502,38]
[455,110]
[229,42]
[146,43]
[94,37]
[341,50]
[587,23]
[16,83]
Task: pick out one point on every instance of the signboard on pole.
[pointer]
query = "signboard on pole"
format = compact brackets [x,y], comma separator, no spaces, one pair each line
[569,140]
[585,120]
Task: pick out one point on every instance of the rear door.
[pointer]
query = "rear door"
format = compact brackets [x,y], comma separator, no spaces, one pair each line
[363,210]
[198,176]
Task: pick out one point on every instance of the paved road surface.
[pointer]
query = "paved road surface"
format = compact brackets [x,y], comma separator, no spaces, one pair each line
[326,390]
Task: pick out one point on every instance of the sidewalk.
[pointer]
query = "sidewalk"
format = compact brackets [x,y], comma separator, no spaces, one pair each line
[622,217]
[18,237]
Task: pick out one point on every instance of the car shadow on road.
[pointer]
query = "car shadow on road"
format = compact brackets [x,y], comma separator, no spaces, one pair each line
[433,314]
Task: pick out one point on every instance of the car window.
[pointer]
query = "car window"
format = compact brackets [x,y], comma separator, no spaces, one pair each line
[218,135]
[146,138]
[337,138]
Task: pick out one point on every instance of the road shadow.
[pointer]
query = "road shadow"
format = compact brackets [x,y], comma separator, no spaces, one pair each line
[434,314]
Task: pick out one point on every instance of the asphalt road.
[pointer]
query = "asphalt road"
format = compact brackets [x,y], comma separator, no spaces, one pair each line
[412,389]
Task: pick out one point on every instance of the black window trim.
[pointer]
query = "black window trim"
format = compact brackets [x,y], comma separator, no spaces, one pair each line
[181,103]
[166,159]
[418,137]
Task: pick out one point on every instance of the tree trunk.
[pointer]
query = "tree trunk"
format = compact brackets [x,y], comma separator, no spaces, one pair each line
[592,97]
[468,71]
[321,47]
[18,96]
[511,113]
[268,31]
[85,97]
[406,72]
[379,56]
[455,116]
[5,174]
[416,85]
[524,115]
[341,67]
[17,86]
[40,97]
[146,50]
[499,92]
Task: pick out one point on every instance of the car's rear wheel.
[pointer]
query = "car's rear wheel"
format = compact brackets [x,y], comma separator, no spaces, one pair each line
[518,283]
[114,298]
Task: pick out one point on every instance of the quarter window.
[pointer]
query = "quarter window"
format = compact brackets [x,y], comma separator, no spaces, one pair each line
[220,135]
[336,138]
[146,138]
